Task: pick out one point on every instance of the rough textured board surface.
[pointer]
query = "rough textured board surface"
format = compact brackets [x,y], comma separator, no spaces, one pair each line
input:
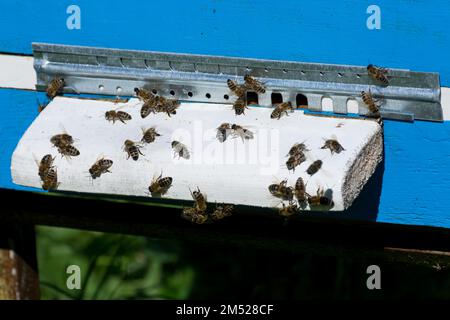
[235,171]
[413,35]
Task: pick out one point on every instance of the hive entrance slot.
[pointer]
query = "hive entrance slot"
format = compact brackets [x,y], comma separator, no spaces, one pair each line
[252,98]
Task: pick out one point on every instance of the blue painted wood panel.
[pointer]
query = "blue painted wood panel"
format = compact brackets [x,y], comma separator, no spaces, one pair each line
[414,34]
[410,187]
[413,185]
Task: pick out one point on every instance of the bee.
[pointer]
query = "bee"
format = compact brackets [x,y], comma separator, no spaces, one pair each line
[180,149]
[149,106]
[314,167]
[144,94]
[370,102]
[288,210]
[333,145]
[195,216]
[223,131]
[168,106]
[68,151]
[132,150]
[61,140]
[296,149]
[113,116]
[100,167]
[295,161]
[242,132]
[254,84]
[320,199]
[54,88]
[45,165]
[281,190]
[200,200]
[280,109]
[378,74]
[239,106]
[50,179]
[160,185]
[300,190]
[238,90]
[222,211]
[149,135]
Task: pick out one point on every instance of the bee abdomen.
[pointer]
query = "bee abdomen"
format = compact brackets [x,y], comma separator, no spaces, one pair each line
[314,167]
[69,150]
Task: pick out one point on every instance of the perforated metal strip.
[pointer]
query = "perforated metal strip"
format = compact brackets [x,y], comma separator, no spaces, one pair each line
[409,96]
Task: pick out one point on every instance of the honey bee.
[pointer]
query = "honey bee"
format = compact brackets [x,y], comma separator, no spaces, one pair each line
[200,200]
[61,140]
[239,106]
[149,106]
[114,116]
[254,84]
[333,145]
[320,199]
[281,190]
[149,135]
[160,185]
[222,211]
[280,109]
[288,210]
[54,88]
[180,149]
[296,149]
[300,190]
[295,161]
[144,94]
[194,216]
[132,150]
[223,131]
[50,179]
[242,132]
[45,165]
[314,167]
[238,90]
[370,102]
[378,74]
[168,106]
[68,151]
[100,167]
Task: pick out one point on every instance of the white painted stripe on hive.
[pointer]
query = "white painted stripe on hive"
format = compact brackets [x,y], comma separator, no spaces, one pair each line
[17,72]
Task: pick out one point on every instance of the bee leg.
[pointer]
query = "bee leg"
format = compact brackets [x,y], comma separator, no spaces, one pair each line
[121,120]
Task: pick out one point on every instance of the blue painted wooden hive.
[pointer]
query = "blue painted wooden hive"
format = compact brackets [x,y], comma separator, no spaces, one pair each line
[411,185]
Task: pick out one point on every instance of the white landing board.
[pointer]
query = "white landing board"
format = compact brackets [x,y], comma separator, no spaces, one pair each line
[235,171]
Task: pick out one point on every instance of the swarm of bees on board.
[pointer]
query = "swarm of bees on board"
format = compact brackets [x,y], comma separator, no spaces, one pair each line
[296,195]
[199,213]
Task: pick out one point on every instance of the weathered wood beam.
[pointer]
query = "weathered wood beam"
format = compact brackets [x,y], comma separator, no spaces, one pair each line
[19,278]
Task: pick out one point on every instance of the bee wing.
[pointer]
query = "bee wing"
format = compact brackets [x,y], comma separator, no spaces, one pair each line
[38,162]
